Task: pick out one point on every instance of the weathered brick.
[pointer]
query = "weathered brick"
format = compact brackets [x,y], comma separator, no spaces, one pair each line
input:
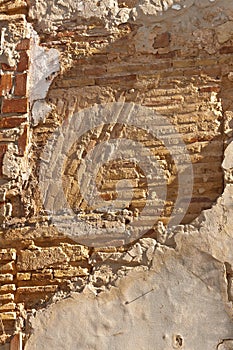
[5,84]
[6,67]
[94,71]
[206,62]
[75,252]
[184,63]
[42,276]
[3,149]
[209,89]
[15,105]
[65,83]
[162,40]
[20,85]
[11,122]
[2,204]
[8,316]
[4,278]
[7,288]
[65,33]
[16,342]
[23,276]
[9,267]
[41,258]
[23,62]
[23,141]
[127,80]
[149,77]
[71,272]
[170,54]
[7,254]
[226,49]
[37,289]
[6,297]
[14,7]
[23,45]
[139,68]
[7,307]
[212,71]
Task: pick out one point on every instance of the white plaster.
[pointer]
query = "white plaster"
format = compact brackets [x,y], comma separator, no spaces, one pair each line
[228,160]
[44,66]
[180,296]
[176,7]
[40,110]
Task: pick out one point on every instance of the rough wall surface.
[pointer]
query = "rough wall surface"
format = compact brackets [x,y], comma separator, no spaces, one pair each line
[171,288]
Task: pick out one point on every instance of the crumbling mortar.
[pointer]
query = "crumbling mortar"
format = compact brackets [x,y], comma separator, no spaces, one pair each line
[186,229]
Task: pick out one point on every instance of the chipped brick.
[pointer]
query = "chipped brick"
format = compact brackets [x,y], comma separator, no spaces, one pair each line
[23,62]
[7,254]
[162,40]
[5,84]
[11,122]
[23,45]
[23,141]
[3,149]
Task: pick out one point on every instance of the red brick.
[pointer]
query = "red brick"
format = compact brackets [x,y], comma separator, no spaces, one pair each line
[161,40]
[3,149]
[20,85]
[5,84]
[11,122]
[209,89]
[23,62]
[6,67]
[226,49]
[23,141]
[16,342]
[15,105]
[23,45]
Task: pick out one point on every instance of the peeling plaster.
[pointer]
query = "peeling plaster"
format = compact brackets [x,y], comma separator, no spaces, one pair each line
[178,301]
[39,111]
[45,64]
[51,15]
[167,298]
[168,305]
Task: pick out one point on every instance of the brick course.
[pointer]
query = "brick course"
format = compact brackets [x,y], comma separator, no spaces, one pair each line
[15,105]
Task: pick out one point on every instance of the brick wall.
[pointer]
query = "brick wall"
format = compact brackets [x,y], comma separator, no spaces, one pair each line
[185,76]
[14,123]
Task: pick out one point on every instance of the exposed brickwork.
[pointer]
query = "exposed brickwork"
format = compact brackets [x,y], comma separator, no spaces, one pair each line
[21,85]
[23,141]
[23,62]
[11,122]
[15,105]
[23,45]
[5,84]
[175,75]
[13,133]
[3,149]
[6,67]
